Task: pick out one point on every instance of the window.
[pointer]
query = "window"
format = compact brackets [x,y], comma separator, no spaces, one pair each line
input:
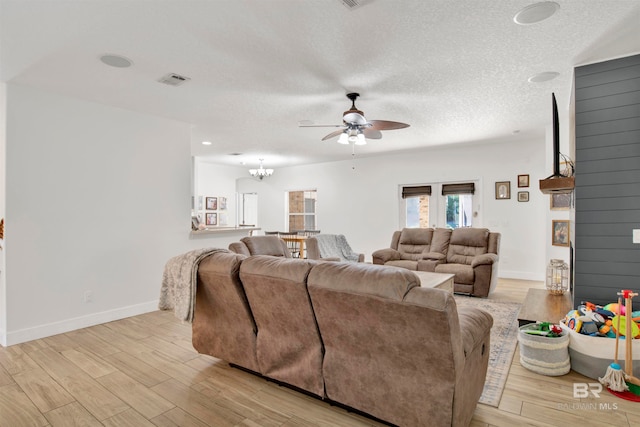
[453,209]
[302,210]
[458,202]
[417,205]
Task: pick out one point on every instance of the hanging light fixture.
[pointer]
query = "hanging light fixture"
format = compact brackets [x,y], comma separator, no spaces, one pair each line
[352,136]
[261,172]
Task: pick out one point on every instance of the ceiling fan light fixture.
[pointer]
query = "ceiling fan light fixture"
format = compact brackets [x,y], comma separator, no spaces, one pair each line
[344,138]
[360,140]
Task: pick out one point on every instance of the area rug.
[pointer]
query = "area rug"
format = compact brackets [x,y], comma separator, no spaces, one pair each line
[504,338]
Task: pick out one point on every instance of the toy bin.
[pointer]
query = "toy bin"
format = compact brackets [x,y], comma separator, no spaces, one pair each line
[544,355]
[591,356]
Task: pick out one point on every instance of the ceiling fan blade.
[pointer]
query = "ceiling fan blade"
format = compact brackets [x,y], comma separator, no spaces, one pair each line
[387,125]
[320,126]
[372,133]
[332,135]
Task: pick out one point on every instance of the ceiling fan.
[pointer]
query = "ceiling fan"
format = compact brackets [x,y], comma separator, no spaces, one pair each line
[356,128]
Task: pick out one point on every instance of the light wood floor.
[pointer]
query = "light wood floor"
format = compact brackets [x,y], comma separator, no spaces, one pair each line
[142,371]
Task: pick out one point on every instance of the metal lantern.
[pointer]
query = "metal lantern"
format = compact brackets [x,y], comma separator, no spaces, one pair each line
[557,277]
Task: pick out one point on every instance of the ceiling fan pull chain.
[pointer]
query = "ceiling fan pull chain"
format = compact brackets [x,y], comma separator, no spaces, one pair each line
[353,156]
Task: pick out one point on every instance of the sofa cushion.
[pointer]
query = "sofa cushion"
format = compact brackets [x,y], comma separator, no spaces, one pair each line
[413,242]
[440,240]
[466,243]
[289,347]
[464,273]
[381,342]
[223,325]
[403,263]
[266,245]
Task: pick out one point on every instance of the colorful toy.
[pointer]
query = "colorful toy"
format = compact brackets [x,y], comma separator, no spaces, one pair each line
[623,383]
[615,308]
[614,377]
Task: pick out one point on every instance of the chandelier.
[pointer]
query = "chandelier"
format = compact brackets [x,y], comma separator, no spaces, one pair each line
[261,172]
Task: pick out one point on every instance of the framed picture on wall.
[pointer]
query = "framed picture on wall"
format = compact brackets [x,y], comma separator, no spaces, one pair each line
[212,203]
[560,232]
[523,196]
[222,203]
[503,190]
[212,218]
[561,202]
[523,181]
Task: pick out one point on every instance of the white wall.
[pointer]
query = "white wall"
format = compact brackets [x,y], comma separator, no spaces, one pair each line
[362,203]
[97,199]
[3,181]
[217,181]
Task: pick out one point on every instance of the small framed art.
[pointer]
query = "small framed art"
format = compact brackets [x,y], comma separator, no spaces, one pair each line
[560,232]
[523,196]
[212,203]
[523,181]
[561,202]
[212,218]
[503,190]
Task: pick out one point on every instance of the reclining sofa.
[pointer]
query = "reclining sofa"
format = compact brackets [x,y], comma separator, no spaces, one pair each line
[364,336]
[471,254]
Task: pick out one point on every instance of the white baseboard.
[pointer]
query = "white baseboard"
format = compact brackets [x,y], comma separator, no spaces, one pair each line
[43,331]
[520,275]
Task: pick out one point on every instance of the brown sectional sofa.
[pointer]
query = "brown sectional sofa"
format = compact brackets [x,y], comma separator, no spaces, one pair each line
[471,254]
[360,335]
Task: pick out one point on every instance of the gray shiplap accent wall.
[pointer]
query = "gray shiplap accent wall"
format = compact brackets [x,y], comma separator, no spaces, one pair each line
[607,194]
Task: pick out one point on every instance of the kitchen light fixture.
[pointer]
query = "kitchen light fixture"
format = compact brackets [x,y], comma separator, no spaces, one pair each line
[261,172]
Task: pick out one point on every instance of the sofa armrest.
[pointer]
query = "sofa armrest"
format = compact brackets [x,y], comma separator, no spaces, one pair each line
[381,256]
[475,324]
[483,259]
[433,255]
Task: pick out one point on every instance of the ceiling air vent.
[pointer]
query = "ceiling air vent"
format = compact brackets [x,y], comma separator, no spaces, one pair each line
[173,79]
[354,4]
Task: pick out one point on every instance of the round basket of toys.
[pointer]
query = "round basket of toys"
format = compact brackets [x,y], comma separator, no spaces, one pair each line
[604,343]
[544,349]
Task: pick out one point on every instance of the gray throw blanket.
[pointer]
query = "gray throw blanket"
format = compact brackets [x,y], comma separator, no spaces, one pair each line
[178,291]
[335,246]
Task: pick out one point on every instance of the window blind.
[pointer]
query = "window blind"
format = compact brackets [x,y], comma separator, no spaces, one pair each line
[463,188]
[419,190]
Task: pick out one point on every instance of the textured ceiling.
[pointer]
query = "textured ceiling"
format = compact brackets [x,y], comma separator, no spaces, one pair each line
[456,71]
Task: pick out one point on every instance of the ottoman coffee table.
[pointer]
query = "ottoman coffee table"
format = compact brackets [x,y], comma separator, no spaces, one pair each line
[436,280]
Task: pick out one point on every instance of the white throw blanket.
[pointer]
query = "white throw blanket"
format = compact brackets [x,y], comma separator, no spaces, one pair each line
[335,246]
[178,291]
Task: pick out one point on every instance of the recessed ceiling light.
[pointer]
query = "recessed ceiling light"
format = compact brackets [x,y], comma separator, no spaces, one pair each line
[116,61]
[206,142]
[536,12]
[543,77]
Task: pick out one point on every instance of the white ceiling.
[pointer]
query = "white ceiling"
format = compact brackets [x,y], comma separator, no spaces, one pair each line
[455,70]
